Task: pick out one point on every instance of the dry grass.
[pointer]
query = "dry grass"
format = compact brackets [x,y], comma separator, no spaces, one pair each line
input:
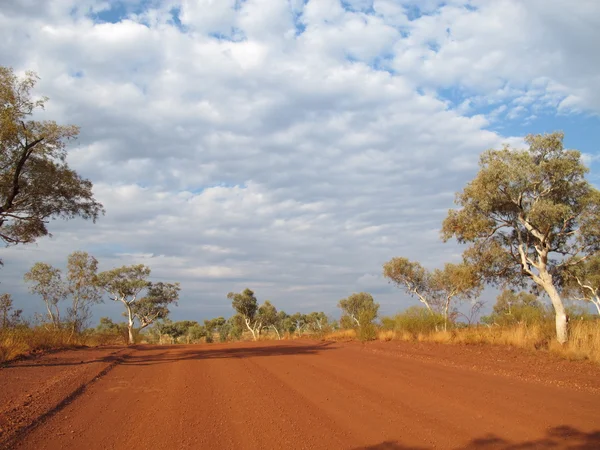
[340,335]
[584,338]
[22,341]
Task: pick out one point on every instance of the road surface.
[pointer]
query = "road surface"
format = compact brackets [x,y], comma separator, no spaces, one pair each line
[316,395]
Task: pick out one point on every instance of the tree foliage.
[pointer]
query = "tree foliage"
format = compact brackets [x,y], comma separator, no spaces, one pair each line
[516,307]
[246,305]
[582,281]
[83,288]
[529,214]
[127,283]
[36,183]
[9,317]
[410,276]
[46,281]
[360,307]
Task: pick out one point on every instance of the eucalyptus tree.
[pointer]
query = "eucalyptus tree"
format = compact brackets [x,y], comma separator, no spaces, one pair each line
[360,307]
[46,281]
[529,215]
[126,285]
[246,305]
[82,287]
[411,277]
[583,281]
[36,183]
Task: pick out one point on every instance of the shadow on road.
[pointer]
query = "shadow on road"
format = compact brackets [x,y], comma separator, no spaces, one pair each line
[564,437]
[174,353]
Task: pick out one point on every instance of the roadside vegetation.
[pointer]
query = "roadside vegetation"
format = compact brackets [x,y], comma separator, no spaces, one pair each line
[529,220]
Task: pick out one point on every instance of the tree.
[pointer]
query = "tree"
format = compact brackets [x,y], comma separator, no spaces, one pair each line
[299,321]
[36,183]
[124,284]
[516,307]
[82,287]
[155,305]
[583,281]
[47,283]
[269,317]
[361,308]
[246,305]
[8,317]
[529,214]
[316,321]
[410,276]
[454,281]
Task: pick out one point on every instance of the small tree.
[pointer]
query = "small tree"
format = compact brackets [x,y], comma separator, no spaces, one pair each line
[412,277]
[124,284]
[155,305]
[361,308]
[583,281]
[8,317]
[454,281]
[46,281]
[300,322]
[529,215]
[516,307]
[246,305]
[82,287]
[270,317]
[36,183]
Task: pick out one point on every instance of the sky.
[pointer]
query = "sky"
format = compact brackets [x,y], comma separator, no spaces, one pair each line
[291,146]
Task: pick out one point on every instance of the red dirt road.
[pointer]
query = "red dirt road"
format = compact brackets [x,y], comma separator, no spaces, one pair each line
[311,395]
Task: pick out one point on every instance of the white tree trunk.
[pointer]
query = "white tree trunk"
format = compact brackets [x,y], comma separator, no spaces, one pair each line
[547,284]
[129,324]
[277,331]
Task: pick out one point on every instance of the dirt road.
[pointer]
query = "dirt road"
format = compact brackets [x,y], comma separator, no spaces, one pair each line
[311,395]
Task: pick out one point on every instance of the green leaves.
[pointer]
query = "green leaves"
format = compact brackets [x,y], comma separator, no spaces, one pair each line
[35,181]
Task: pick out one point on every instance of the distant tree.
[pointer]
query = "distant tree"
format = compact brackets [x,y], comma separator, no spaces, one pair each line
[214,325]
[529,215]
[83,288]
[46,281]
[454,281]
[269,318]
[361,308]
[300,322]
[317,321]
[583,281]
[235,326]
[155,304]
[9,317]
[246,305]
[125,284]
[516,307]
[36,184]
[412,277]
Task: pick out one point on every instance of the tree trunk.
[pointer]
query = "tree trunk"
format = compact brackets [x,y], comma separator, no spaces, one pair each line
[130,325]
[547,284]
[277,331]
[446,306]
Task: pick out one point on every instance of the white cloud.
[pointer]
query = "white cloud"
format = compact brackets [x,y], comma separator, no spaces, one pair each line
[263,144]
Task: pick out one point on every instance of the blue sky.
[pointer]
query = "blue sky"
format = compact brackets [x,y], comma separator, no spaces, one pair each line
[292,146]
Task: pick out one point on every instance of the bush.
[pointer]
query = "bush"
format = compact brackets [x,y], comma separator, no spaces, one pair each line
[415,321]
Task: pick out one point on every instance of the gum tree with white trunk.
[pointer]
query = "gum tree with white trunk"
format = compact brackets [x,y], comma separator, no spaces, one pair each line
[529,215]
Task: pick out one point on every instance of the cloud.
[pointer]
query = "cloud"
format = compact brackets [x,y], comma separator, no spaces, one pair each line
[287,147]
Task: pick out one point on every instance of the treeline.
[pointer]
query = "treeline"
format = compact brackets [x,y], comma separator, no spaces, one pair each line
[69,297]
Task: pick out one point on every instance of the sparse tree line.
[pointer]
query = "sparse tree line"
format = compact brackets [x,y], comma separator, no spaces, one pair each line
[529,219]
[69,298]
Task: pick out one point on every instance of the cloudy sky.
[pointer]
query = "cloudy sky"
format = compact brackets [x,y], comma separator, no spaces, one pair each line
[291,146]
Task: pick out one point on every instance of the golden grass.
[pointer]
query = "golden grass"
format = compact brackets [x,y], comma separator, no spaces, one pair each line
[340,335]
[21,341]
[584,338]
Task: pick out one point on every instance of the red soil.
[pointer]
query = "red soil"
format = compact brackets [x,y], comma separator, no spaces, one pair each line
[301,394]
